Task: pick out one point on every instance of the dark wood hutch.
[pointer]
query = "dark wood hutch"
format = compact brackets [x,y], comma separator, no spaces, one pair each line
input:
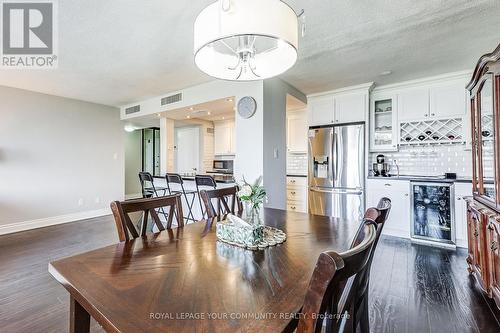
[483,210]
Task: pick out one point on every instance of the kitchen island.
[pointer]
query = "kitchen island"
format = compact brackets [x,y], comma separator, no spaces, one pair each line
[190,185]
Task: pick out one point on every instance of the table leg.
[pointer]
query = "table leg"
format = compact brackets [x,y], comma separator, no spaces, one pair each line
[79,318]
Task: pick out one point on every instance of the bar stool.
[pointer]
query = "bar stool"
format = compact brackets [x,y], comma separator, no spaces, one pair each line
[174,178]
[149,190]
[204,181]
[148,186]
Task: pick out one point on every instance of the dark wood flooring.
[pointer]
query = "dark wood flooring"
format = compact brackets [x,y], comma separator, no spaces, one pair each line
[413,288]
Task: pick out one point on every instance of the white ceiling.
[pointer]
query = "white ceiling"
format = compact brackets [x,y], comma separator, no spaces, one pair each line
[220,109]
[116,52]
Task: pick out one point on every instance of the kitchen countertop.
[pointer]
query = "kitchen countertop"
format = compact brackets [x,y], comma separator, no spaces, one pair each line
[424,179]
[191,178]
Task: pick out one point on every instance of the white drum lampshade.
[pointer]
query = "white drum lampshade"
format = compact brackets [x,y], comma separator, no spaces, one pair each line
[246,40]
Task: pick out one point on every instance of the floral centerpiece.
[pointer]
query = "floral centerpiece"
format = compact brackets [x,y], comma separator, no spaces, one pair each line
[252,197]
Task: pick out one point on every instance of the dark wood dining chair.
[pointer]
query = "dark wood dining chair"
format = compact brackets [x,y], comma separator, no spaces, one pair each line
[126,229]
[328,280]
[359,312]
[221,196]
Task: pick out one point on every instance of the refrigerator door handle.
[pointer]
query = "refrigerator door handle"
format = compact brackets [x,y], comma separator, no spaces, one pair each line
[336,153]
[337,191]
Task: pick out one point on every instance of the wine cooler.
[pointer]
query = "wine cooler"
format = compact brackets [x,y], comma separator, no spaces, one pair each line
[432,213]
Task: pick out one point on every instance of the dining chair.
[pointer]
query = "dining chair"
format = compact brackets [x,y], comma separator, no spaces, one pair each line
[328,280]
[148,187]
[204,181]
[174,178]
[221,196]
[126,229]
[359,312]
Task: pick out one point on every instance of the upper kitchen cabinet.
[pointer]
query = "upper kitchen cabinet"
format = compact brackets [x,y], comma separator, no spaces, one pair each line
[350,108]
[438,101]
[448,100]
[383,123]
[224,138]
[321,110]
[348,105]
[297,132]
[413,104]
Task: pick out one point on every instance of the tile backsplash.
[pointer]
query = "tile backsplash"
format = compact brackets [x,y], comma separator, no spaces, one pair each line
[296,164]
[429,160]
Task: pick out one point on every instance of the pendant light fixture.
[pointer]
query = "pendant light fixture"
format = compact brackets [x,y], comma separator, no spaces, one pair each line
[246,40]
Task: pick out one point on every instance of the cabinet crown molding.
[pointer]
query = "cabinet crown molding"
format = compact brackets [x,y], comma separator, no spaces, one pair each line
[365,87]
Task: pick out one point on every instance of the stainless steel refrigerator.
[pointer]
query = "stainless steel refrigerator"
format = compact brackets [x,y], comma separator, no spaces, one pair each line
[336,171]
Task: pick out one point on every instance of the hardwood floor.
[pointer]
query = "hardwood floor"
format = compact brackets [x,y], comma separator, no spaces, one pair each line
[413,288]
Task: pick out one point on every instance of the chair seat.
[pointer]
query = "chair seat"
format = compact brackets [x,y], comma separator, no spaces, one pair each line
[150,189]
[185,191]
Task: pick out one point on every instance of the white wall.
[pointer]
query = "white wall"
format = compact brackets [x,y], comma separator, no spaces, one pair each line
[60,159]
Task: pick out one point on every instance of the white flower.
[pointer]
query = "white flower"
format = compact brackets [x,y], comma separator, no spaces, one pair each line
[246,190]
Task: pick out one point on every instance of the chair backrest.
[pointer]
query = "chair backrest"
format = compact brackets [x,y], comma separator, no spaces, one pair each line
[147,184]
[205,180]
[221,196]
[174,178]
[379,216]
[329,278]
[126,229]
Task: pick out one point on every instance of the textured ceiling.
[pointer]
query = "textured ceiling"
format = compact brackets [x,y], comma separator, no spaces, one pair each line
[120,51]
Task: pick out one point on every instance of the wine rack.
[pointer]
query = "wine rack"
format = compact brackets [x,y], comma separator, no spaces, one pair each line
[439,131]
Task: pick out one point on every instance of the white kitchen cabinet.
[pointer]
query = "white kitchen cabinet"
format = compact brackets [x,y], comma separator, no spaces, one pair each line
[384,127]
[297,132]
[461,190]
[413,104]
[224,138]
[438,101]
[350,108]
[321,110]
[296,188]
[398,223]
[448,100]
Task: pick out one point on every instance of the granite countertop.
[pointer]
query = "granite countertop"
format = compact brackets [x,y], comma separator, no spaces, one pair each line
[424,178]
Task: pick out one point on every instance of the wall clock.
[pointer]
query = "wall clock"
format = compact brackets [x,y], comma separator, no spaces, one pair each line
[247,107]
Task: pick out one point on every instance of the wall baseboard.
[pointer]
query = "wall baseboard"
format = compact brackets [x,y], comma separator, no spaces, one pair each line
[45,222]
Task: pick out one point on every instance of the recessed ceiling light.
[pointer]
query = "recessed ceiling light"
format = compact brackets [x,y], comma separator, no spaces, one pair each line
[158,114]
[191,109]
[386,73]
[208,113]
[223,118]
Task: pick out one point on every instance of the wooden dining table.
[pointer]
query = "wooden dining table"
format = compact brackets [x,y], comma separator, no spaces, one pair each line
[185,280]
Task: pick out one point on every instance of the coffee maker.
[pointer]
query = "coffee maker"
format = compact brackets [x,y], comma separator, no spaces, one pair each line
[381,168]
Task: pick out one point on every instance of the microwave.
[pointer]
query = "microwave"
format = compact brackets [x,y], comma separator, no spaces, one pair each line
[223,165]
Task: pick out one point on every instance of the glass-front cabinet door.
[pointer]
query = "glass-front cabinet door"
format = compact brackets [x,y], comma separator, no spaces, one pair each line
[475,146]
[486,140]
[383,120]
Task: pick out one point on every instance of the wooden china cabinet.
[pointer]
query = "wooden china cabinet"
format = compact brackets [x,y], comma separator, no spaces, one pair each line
[483,210]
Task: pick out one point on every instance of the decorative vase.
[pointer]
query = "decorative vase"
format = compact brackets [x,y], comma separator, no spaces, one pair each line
[251,213]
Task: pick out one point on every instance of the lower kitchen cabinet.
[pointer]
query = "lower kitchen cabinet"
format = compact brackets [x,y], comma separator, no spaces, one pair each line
[398,223]
[296,196]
